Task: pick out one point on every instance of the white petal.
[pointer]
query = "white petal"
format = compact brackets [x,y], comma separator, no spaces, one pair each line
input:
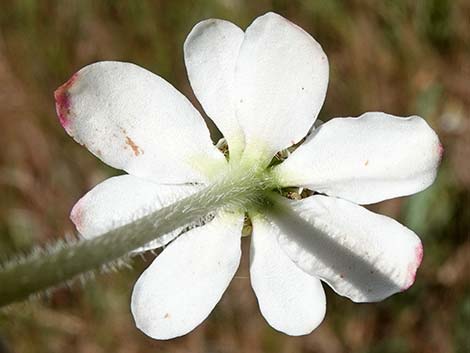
[361,255]
[210,53]
[281,81]
[292,301]
[123,199]
[367,159]
[135,121]
[185,282]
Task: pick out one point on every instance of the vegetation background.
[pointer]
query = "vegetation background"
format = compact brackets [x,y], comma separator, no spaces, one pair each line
[400,56]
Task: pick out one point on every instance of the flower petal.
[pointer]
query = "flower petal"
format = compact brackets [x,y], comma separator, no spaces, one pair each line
[210,53]
[281,81]
[365,160]
[185,282]
[292,301]
[123,199]
[361,255]
[136,121]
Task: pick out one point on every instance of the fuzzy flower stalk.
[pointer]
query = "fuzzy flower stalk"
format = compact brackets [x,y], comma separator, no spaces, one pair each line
[263,88]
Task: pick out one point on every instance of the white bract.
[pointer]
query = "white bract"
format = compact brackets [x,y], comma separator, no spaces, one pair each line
[263,88]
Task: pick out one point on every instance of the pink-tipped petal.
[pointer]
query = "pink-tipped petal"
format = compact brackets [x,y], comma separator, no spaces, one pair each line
[123,199]
[361,255]
[63,103]
[135,121]
[78,213]
[413,267]
[367,159]
[441,151]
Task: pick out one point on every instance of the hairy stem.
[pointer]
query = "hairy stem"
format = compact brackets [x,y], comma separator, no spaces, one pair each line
[33,274]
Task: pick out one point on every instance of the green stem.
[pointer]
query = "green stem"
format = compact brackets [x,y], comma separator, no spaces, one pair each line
[33,274]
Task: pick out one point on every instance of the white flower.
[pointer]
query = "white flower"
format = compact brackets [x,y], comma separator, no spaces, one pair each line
[263,88]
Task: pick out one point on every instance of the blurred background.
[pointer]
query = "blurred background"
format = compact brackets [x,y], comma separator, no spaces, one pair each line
[399,56]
